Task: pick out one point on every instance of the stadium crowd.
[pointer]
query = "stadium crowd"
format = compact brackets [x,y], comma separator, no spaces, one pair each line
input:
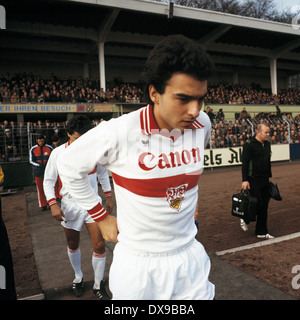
[29,88]
[234,133]
[15,137]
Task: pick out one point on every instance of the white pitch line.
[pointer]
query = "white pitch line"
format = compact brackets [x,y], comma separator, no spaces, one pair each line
[39,296]
[260,244]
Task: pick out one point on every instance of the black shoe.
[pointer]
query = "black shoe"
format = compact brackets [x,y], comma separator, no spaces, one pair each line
[77,288]
[98,294]
[44,208]
[101,293]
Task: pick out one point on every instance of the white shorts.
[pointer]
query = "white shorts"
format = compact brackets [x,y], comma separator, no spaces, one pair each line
[75,217]
[179,275]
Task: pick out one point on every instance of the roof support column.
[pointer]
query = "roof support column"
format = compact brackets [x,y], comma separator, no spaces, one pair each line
[101,65]
[235,78]
[86,73]
[273,72]
[103,32]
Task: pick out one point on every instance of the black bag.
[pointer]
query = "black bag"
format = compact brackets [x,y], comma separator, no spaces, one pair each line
[274,191]
[244,206]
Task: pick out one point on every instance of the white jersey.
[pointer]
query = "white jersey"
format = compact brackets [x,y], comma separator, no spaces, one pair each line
[51,177]
[155,177]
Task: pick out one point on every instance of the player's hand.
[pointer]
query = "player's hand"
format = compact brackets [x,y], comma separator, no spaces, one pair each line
[109,205]
[109,228]
[245,185]
[57,213]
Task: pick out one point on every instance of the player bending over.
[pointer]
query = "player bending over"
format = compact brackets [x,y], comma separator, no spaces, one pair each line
[71,215]
[156,157]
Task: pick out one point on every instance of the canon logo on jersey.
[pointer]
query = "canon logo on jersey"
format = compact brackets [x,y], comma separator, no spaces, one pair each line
[148,161]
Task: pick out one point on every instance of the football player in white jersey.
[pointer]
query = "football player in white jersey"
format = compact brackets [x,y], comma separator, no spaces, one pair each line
[72,216]
[156,157]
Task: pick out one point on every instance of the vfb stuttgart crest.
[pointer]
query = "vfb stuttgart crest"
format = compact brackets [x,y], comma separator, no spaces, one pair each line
[175,196]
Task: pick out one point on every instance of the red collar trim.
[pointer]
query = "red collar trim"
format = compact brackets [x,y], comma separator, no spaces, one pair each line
[149,125]
[67,143]
[197,125]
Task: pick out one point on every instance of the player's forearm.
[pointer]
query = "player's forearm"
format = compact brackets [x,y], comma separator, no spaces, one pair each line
[49,190]
[79,159]
[109,228]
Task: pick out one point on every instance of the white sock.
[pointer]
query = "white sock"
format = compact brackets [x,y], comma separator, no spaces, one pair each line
[75,259]
[98,262]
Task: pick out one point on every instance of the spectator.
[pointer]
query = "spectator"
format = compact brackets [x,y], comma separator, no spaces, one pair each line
[55,142]
[24,97]
[210,113]
[297,137]
[41,97]
[222,129]
[219,142]
[65,97]
[275,138]
[6,97]
[48,132]
[10,148]
[81,98]
[15,98]
[47,97]
[294,137]
[235,129]
[244,114]
[220,115]
[278,111]
[33,97]
[227,141]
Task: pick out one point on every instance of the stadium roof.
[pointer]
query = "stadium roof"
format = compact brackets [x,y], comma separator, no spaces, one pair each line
[70,30]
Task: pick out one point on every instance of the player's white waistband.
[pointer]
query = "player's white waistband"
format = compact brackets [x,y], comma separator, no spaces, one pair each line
[154,254]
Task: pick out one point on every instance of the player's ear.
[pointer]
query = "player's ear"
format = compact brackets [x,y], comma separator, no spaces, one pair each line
[153,94]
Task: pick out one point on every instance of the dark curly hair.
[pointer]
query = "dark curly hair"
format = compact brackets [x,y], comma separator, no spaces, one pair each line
[80,124]
[175,54]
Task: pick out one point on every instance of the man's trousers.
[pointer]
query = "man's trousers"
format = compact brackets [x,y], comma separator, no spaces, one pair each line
[40,191]
[259,188]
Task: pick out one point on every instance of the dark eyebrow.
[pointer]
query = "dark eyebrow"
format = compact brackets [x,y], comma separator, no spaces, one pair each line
[188,97]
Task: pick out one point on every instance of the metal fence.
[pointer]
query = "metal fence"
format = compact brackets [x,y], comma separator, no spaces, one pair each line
[17,140]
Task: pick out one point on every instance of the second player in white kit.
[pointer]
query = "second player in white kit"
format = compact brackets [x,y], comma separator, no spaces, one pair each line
[71,215]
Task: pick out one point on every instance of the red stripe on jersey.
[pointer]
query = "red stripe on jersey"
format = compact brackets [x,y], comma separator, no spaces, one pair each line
[197,125]
[94,171]
[59,184]
[149,125]
[157,187]
[67,143]
[52,202]
[107,194]
[147,120]
[98,213]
